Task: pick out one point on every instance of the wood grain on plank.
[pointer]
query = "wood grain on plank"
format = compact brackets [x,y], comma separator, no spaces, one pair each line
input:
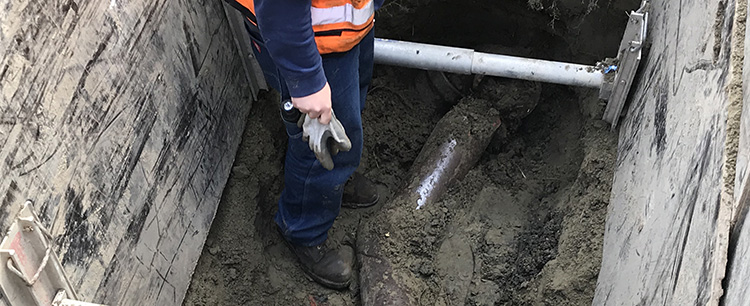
[120,120]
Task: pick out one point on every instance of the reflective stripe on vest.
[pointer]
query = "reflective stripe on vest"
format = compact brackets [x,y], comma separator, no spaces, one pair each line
[343,13]
[339,25]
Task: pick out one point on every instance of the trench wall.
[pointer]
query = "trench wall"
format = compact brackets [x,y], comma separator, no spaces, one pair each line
[673,196]
[120,121]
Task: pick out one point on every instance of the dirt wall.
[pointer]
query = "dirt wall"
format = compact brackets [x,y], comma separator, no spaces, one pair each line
[590,30]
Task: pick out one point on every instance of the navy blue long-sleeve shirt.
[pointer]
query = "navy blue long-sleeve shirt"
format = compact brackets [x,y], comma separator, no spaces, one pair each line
[286,27]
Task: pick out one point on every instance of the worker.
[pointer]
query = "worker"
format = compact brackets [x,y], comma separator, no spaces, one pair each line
[318,54]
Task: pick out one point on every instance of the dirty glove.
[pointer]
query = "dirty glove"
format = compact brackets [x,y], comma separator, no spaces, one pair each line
[325,139]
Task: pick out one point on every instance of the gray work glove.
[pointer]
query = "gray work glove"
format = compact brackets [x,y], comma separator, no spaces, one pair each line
[318,136]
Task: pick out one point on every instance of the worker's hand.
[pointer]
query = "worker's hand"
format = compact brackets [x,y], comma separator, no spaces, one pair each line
[325,139]
[317,105]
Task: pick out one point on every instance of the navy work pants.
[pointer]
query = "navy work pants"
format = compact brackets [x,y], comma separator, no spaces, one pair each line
[311,199]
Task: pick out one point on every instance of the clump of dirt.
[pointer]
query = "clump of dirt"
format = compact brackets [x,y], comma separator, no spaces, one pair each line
[524,226]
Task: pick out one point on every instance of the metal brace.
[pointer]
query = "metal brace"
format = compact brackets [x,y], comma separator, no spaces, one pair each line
[619,80]
[31,274]
[62,300]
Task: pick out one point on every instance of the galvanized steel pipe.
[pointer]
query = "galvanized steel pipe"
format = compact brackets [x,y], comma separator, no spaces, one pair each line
[468,61]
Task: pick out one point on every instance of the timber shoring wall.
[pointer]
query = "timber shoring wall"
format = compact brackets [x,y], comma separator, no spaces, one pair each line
[666,237]
[120,120]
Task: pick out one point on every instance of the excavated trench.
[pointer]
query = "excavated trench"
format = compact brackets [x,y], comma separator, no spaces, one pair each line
[523,227]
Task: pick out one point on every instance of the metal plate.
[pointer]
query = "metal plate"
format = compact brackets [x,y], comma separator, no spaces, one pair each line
[24,248]
[628,57]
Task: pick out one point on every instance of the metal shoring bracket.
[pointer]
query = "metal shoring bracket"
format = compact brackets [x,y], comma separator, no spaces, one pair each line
[61,299]
[618,81]
[11,263]
[30,273]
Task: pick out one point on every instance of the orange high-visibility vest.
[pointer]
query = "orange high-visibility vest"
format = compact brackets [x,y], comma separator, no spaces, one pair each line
[339,25]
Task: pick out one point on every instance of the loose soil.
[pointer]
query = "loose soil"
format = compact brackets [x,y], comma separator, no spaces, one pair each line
[523,227]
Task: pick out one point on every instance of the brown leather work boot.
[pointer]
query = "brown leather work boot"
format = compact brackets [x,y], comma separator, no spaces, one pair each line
[329,267]
[359,192]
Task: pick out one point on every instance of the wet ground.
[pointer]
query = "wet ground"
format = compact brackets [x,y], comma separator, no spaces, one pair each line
[524,227]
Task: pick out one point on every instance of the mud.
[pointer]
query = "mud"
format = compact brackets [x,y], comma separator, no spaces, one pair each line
[523,227]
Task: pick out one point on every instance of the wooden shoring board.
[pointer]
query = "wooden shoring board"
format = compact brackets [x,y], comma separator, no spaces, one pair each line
[667,228]
[120,120]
